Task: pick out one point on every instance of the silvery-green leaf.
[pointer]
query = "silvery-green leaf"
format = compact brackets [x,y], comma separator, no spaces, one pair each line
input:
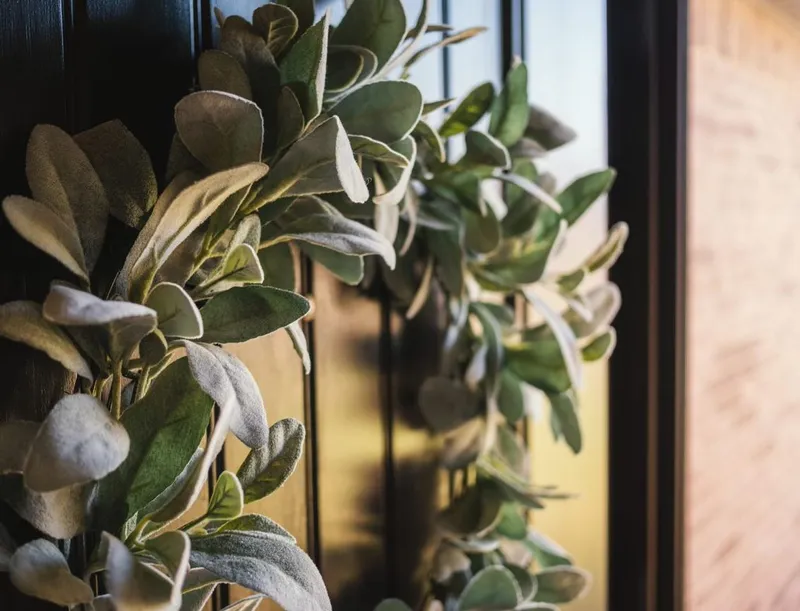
[62,514]
[198,588]
[153,348]
[295,331]
[447,561]
[227,500]
[122,324]
[45,229]
[172,549]
[16,438]
[520,268]
[267,564]
[255,524]
[526,582]
[78,442]
[444,42]
[345,65]
[579,195]
[278,264]
[377,25]
[292,122]
[163,233]
[475,513]
[492,338]
[396,181]
[547,552]
[240,267]
[225,379]
[509,117]
[219,71]
[248,231]
[277,24]
[347,268]
[370,148]
[384,110]
[392,604]
[134,585]
[547,130]
[429,136]
[124,168]
[178,315]
[62,177]
[240,39]
[469,111]
[527,149]
[320,162]
[39,569]
[512,524]
[267,468]
[221,130]
[22,321]
[447,404]
[483,149]
[367,61]
[511,399]
[564,420]
[244,313]
[608,253]
[304,68]
[493,589]
[604,302]
[413,37]
[251,603]
[600,347]
[165,428]
[304,10]
[561,584]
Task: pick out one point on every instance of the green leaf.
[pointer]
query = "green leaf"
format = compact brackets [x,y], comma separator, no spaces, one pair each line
[267,468]
[124,168]
[345,66]
[561,584]
[492,338]
[134,584]
[244,313]
[172,549]
[377,25]
[493,589]
[475,513]
[198,588]
[429,136]
[349,269]
[538,193]
[295,331]
[268,564]
[120,325]
[564,420]
[370,148]
[462,446]
[447,404]
[526,366]
[469,111]
[444,42]
[320,162]
[483,149]
[22,321]
[511,399]
[292,122]
[304,68]
[62,178]
[413,36]
[608,253]
[482,233]
[175,219]
[578,197]
[384,110]
[600,347]
[446,248]
[431,107]
[165,429]
[366,59]
[219,129]
[39,569]
[277,24]
[547,130]
[78,442]
[227,500]
[547,552]
[603,302]
[512,524]
[254,524]
[219,71]
[45,229]
[225,379]
[510,109]
[527,149]
[239,267]
[394,182]
[277,262]
[304,10]
[178,315]
[392,604]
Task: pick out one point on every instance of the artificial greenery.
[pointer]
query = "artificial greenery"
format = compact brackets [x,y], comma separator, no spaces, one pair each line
[302,138]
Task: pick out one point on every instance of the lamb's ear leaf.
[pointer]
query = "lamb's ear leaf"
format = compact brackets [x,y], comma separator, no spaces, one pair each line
[396,180]
[178,315]
[219,71]
[303,10]
[469,111]
[61,514]
[300,344]
[452,39]
[78,442]
[600,347]
[485,150]
[345,66]
[251,603]
[492,589]
[431,137]
[22,321]
[561,584]
[267,468]
[564,420]
[39,569]
[47,231]
[172,549]
[376,150]
[292,122]
[305,66]
[277,261]
[221,130]
[608,253]
[546,130]
[62,177]
[227,500]
[320,162]
[347,268]
[240,267]
[510,109]
[377,26]
[124,168]
[277,24]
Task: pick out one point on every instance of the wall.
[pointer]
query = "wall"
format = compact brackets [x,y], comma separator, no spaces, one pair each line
[743,504]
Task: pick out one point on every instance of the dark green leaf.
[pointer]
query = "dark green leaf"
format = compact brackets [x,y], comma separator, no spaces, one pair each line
[511,399]
[377,25]
[345,65]
[349,269]
[384,110]
[277,262]
[512,524]
[578,197]
[469,111]
[304,68]
[370,148]
[482,233]
[277,24]
[219,71]
[600,347]
[446,248]
[510,109]
[304,10]
[425,133]
[564,419]
[291,125]
[483,149]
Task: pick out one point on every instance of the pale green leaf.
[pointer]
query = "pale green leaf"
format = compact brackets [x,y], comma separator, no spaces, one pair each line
[395,181]
[304,68]
[385,110]
[239,268]
[600,347]
[603,302]
[509,117]
[536,191]
[608,252]
[469,111]
[219,71]
[267,468]
[227,500]
[547,552]
[492,589]
[39,569]
[255,524]
[377,25]
[178,315]
[134,585]
[277,24]
[347,268]
[251,603]
[512,523]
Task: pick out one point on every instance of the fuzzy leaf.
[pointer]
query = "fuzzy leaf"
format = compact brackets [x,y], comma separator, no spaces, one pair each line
[178,315]
[254,524]
[45,229]
[370,148]
[345,65]
[347,268]
[16,438]
[267,468]
[547,552]
[512,524]
[251,603]
[277,261]
[475,513]
[483,149]
[219,71]
[492,589]
[244,313]
[61,514]
[561,584]
[396,181]
[377,25]
[172,549]
[469,111]
[39,569]
[240,267]
[300,343]
[482,233]
[227,500]
[219,129]
[564,419]
[510,109]
[134,585]
[511,399]
[292,122]
[304,68]
[277,24]
[429,136]
[547,130]
[304,10]
[383,110]
[578,197]
[225,379]
[62,177]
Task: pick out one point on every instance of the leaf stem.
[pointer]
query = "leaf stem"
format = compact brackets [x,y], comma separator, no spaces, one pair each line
[116,391]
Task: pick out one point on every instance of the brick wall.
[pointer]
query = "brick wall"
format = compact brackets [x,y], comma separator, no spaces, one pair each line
[743,512]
